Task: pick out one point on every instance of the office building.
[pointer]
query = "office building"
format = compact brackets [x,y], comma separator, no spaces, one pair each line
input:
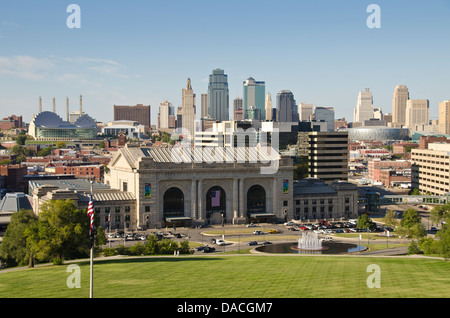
[325,114]
[444,117]
[430,172]
[328,156]
[218,95]
[238,109]
[204,106]
[254,95]
[268,107]
[188,110]
[364,107]
[286,108]
[401,96]
[417,114]
[166,116]
[305,111]
[140,113]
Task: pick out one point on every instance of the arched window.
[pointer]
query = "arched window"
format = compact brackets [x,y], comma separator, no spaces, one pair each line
[256,199]
[173,203]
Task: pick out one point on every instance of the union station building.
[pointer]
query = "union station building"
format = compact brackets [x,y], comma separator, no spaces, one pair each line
[204,186]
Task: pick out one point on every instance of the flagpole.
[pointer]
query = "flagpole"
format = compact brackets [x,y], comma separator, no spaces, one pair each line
[91,287]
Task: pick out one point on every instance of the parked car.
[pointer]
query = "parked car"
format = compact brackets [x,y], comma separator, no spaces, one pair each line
[252,243]
[293,229]
[257,232]
[208,249]
[290,223]
[220,242]
[266,243]
[200,248]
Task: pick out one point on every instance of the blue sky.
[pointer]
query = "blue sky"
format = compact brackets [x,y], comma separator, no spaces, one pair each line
[130,52]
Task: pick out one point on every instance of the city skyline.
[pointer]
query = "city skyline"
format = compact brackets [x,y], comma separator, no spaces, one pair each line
[125,53]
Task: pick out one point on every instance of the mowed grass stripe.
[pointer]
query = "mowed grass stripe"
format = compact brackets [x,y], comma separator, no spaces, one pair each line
[254,276]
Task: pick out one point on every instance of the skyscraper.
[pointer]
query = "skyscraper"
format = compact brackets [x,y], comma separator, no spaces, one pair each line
[268,107]
[444,117]
[417,113]
[188,108]
[364,107]
[204,106]
[254,95]
[218,95]
[286,107]
[139,113]
[238,110]
[401,96]
[326,114]
[166,115]
[305,111]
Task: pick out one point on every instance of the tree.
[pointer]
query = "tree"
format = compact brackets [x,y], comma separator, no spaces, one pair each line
[440,213]
[364,222]
[390,219]
[443,245]
[44,152]
[62,232]
[411,224]
[414,191]
[60,144]
[21,138]
[14,249]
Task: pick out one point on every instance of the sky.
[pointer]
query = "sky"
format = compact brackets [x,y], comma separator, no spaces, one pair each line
[142,52]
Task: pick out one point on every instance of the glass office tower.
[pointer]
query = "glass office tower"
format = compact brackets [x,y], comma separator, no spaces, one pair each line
[218,95]
[254,95]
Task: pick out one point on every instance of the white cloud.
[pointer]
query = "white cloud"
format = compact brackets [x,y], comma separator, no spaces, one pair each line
[83,69]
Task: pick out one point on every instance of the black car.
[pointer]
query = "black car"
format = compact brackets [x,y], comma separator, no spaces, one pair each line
[200,248]
[266,243]
[208,249]
[252,243]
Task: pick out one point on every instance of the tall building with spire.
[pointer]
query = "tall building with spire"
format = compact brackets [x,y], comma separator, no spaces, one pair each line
[401,96]
[268,107]
[254,95]
[218,96]
[188,108]
[364,107]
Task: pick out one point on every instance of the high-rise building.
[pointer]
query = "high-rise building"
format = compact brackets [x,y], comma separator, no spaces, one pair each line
[204,106]
[140,113]
[254,95]
[328,156]
[268,107]
[166,115]
[401,96]
[286,108]
[188,108]
[364,107]
[238,109]
[325,114]
[218,95]
[444,117]
[417,113]
[305,111]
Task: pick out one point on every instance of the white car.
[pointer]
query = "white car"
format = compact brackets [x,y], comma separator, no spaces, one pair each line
[220,242]
[289,223]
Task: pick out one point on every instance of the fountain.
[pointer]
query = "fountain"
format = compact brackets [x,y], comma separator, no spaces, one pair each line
[310,242]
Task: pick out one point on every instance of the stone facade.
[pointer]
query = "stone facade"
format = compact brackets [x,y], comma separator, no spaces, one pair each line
[167,191]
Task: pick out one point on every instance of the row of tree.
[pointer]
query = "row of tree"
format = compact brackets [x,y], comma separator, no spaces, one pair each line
[411,226]
[61,232]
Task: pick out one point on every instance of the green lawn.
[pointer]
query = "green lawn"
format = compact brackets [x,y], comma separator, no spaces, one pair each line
[240,276]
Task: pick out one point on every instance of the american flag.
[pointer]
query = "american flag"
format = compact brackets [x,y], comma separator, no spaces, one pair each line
[215,198]
[90,214]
